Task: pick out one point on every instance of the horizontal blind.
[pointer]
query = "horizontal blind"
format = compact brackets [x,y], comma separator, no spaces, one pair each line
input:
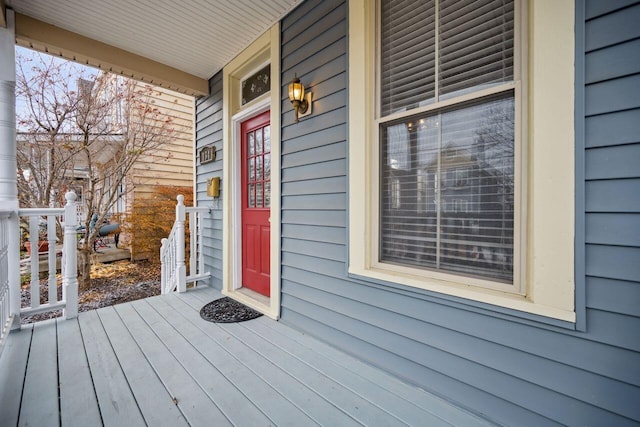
[475,49]
[448,190]
[407,60]
[476,44]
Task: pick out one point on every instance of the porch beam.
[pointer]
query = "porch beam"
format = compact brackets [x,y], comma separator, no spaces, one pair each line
[41,36]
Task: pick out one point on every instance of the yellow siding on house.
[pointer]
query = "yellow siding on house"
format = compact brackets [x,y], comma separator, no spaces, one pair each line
[171,164]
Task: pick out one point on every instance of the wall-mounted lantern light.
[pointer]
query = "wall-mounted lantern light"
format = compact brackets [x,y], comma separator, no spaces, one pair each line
[301,102]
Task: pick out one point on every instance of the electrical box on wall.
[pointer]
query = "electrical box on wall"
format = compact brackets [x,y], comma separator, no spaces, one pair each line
[213,187]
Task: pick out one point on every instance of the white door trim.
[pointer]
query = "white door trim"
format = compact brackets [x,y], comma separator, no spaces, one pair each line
[266,48]
[236,182]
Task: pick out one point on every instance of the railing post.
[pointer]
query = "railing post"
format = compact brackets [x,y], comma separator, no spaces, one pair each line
[70,258]
[13,257]
[193,221]
[163,267]
[181,268]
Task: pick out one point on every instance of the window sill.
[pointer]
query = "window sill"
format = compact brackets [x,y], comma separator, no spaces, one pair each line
[497,299]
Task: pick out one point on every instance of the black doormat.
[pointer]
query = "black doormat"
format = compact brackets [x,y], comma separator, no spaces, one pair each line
[227,310]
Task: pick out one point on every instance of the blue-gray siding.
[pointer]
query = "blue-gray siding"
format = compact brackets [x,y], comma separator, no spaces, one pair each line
[208,132]
[512,369]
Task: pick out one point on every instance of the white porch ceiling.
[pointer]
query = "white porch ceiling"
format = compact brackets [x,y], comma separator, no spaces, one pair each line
[195,36]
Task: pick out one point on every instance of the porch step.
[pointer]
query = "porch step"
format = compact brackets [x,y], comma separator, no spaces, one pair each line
[103,255]
[110,254]
[43,263]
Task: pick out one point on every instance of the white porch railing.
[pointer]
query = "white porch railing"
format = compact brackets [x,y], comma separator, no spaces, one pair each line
[7,223]
[174,274]
[38,219]
[10,292]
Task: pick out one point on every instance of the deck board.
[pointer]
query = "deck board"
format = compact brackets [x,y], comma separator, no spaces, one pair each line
[273,404]
[220,390]
[381,397]
[78,404]
[152,397]
[419,398]
[358,408]
[39,405]
[193,402]
[13,365]
[306,399]
[117,403]
[155,362]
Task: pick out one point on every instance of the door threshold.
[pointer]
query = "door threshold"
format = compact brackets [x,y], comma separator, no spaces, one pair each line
[254,300]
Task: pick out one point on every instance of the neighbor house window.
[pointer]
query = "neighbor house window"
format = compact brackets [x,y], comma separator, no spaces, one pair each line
[446,120]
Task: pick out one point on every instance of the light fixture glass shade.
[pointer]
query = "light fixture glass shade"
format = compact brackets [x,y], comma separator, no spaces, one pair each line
[297,97]
[296,90]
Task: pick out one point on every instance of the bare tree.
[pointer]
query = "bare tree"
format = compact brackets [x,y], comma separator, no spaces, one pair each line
[82,129]
[45,120]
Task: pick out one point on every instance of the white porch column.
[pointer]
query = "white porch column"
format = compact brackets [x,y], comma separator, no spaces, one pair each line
[8,183]
[8,166]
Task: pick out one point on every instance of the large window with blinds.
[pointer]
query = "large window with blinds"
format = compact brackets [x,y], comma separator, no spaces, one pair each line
[447,112]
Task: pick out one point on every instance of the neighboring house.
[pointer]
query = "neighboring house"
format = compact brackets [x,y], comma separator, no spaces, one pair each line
[170,165]
[490,257]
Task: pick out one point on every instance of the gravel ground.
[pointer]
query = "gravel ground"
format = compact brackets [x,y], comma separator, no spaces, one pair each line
[112,283]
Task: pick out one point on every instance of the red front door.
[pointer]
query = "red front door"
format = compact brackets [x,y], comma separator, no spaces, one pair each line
[256,202]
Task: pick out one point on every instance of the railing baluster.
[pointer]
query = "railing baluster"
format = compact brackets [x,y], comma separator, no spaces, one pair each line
[13,265]
[34,242]
[51,235]
[200,246]
[163,267]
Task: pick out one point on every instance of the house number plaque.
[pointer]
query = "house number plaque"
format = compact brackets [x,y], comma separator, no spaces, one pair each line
[207,154]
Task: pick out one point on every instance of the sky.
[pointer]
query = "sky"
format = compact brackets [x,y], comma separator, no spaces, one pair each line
[24,56]
[35,55]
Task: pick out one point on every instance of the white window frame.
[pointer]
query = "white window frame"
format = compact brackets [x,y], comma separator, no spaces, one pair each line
[543,243]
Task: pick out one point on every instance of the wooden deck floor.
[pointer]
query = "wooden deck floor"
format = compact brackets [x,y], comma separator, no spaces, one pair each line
[155,362]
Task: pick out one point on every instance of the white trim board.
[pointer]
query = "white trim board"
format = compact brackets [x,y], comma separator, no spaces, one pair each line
[264,50]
